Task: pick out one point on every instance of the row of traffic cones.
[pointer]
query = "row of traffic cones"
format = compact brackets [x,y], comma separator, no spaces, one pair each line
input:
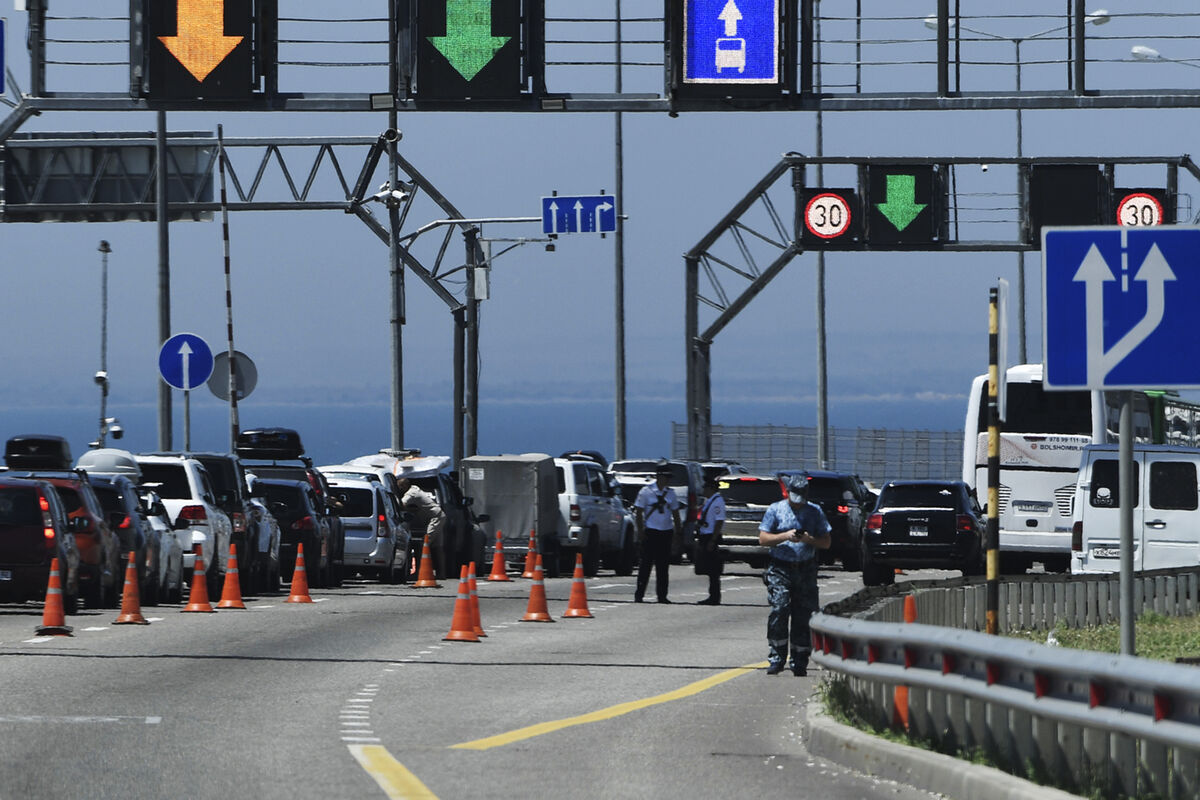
[54,617]
[465,625]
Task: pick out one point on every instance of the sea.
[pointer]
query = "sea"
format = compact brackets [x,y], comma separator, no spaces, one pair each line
[335,432]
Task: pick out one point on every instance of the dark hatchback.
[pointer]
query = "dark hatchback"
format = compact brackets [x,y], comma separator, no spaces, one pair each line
[846,501]
[297,508]
[922,524]
[34,530]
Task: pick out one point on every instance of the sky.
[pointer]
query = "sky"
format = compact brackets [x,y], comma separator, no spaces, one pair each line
[906,332]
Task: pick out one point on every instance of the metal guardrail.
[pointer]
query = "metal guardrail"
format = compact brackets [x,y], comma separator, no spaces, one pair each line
[1115,726]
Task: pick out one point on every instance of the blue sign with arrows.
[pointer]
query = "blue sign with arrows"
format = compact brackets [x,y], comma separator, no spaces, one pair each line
[1120,307]
[583,214]
[185,361]
[731,41]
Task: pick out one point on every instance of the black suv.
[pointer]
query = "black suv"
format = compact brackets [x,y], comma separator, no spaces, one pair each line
[262,449]
[922,524]
[846,501]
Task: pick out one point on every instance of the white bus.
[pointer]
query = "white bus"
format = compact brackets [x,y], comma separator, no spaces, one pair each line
[1041,442]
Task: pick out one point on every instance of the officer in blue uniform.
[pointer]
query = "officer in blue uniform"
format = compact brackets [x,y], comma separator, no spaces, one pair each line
[795,530]
[656,515]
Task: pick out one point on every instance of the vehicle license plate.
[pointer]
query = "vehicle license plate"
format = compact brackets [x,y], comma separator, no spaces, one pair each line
[5,575]
[1106,552]
[918,530]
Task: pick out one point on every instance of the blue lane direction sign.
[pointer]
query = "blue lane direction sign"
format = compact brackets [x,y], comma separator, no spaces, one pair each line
[1120,307]
[579,214]
[185,361]
[731,41]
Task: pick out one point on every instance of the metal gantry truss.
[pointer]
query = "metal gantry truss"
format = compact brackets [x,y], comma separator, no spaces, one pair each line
[763,231]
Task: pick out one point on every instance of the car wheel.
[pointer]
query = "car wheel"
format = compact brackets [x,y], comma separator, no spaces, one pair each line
[873,573]
[93,593]
[591,554]
[402,571]
[70,602]
[551,559]
[628,558]
[151,595]
[388,574]
[852,559]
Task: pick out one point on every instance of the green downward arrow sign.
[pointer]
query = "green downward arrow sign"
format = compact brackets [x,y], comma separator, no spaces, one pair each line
[901,207]
[468,44]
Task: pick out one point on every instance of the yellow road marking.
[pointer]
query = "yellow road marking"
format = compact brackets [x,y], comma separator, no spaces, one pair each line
[392,776]
[605,713]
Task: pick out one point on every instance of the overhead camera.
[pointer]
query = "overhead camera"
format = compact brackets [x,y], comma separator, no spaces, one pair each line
[983,167]
[100,378]
[113,426]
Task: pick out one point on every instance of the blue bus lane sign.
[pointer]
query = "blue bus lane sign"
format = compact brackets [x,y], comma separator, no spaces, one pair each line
[731,41]
[1120,307]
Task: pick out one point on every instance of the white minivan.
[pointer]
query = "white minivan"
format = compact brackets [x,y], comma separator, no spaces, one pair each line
[1166,509]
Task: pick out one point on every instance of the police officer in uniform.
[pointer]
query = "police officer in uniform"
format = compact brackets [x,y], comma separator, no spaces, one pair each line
[708,539]
[795,530]
[656,514]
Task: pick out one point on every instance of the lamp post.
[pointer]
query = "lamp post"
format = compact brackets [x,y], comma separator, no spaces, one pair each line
[102,376]
[1098,17]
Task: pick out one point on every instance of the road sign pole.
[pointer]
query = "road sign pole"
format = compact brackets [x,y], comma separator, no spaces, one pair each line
[993,465]
[164,273]
[1125,483]
[187,420]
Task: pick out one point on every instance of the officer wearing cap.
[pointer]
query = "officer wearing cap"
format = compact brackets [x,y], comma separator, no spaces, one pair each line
[656,514]
[795,530]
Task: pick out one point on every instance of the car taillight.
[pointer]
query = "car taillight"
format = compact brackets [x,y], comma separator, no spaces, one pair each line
[239,522]
[575,514]
[1077,537]
[843,509]
[190,514]
[47,520]
[305,523]
[875,522]
[965,523]
[126,523]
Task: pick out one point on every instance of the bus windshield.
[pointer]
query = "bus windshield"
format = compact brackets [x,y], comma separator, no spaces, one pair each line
[1033,410]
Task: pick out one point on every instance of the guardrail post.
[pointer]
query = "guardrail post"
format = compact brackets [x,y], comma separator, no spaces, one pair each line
[1070,750]
[1048,736]
[1125,762]
[1093,603]
[1024,743]
[1155,771]
[976,720]
[1186,780]
[1099,765]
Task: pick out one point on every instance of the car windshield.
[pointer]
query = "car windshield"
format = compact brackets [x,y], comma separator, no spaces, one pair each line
[70,499]
[355,502]
[224,478]
[19,507]
[826,490]
[918,496]
[634,466]
[110,499]
[171,480]
[751,492]
[287,494]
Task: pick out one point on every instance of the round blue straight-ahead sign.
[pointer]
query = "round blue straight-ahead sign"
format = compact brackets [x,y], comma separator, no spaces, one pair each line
[185,361]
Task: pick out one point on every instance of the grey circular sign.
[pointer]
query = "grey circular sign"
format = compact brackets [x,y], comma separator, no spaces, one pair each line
[245,375]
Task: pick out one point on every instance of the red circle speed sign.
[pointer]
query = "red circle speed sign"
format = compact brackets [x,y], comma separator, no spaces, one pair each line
[827,215]
[1139,210]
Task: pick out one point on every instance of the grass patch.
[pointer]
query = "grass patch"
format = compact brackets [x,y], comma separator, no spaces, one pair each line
[1156,636]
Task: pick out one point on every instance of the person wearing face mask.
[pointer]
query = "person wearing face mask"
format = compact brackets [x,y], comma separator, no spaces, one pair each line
[794,530]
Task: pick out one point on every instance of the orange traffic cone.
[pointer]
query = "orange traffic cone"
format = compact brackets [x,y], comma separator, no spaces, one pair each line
[536,611]
[198,599]
[131,598]
[299,591]
[530,556]
[54,621]
[499,568]
[426,578]
[577,604]
[462,626]
[231,593]
[478,623]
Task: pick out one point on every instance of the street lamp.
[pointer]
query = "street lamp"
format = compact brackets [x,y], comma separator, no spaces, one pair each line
[107,424]
[1098,17]
[1141,52]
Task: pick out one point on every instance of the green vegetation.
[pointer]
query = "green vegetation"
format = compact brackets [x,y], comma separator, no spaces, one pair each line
[1156,636]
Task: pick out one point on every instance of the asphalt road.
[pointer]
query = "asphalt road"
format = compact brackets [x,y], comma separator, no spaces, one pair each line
[358,696]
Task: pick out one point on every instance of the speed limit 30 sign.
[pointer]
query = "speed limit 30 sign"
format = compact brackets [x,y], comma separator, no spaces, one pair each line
[1139,209]
[827,215]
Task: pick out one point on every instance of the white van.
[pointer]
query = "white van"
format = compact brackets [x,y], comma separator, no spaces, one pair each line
[1166,509]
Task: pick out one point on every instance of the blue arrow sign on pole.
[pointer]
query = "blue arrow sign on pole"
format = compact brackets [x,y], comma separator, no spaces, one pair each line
[1120,307]
[579,214]
[731,41]
[185,361]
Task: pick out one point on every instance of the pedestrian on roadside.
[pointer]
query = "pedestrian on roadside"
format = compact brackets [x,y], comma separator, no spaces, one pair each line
[795,530]
[708,556]
[656,516]
[428,520]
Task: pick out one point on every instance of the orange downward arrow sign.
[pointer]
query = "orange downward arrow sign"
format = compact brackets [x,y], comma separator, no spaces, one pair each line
[201,43]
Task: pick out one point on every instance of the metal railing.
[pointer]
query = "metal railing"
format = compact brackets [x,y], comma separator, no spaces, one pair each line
[1114,726]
